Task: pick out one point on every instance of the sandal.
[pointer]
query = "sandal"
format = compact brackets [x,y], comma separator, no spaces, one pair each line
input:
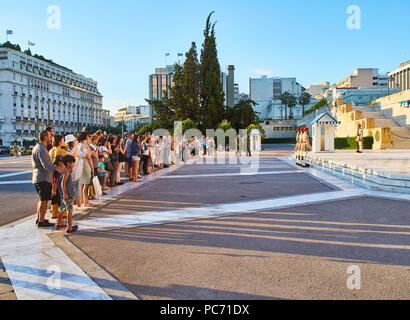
[73,229]
[62,227]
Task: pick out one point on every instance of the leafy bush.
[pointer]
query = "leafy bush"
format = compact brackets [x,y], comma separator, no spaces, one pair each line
[225,125]
[318,105]
[149,127]
[257,126]
[188,124]
[349,143]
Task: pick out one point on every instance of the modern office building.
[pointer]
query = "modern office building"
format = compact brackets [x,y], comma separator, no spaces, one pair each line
[36,93]
[160,82]
[133,117]
[401,77]
[364,78]
[266,92]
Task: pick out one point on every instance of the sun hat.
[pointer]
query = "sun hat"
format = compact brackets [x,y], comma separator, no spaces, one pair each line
[70,138]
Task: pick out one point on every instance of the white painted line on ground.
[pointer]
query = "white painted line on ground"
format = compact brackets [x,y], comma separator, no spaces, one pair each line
[14,162]
[15,174]
[201,212]
[16,182]
[232,174]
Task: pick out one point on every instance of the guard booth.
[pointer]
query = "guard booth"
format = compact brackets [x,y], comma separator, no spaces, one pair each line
[323,133]
[255,137]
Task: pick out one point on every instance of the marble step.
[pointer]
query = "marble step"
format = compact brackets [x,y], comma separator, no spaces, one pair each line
[368,178]
[374,115]
[384,123]
[364,109]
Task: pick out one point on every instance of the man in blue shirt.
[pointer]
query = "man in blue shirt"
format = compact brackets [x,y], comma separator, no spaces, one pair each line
[128,155]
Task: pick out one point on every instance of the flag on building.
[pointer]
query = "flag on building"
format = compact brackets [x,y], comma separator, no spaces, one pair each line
[9,32]
[180,54]
[31,44]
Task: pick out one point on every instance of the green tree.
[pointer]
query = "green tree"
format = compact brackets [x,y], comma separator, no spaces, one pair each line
[211,93]
[289,101]
[242,114]
[9,45]
[188,124]
[165,115]
[318,105]
[191,84]
[291,105]
[304,100]
[225,125]
[177,102]
[149,127]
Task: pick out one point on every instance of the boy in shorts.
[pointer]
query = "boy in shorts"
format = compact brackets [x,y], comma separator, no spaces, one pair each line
[66,190]
[101,172]
[56,200]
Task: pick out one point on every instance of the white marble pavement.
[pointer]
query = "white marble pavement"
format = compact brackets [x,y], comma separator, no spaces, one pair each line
[39,270]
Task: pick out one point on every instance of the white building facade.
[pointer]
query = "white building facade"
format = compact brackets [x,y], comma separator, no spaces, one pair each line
[133,117]
[317,90]
[401,77]
[266,92]
[35,94]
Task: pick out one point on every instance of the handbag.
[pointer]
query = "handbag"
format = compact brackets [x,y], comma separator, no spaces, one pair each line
[97,187]
[77,170]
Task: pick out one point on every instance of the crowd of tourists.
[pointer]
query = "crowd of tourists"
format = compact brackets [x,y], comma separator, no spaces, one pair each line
[72,170]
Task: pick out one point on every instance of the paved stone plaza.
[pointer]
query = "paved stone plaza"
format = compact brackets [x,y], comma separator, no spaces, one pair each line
[205,231]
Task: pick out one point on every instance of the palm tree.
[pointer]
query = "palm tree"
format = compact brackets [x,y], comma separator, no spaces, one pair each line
[304,100]
[289,101]
[291,104]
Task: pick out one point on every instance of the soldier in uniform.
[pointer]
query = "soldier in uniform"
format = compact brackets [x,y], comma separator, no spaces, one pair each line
[297,147]
[305,146]
[359,139]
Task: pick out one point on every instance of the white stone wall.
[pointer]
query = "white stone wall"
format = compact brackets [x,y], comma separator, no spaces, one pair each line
[279,129]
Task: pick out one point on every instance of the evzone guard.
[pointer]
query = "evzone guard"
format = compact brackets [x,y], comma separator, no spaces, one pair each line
[305,146]
[297,147]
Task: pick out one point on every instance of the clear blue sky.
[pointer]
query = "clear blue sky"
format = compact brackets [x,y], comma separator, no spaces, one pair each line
[119,43]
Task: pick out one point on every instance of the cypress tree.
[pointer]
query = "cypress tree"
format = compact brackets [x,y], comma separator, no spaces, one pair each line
[191,83]
[211,93]
[177,102]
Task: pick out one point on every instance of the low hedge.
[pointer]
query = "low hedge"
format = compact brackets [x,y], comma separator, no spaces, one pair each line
[279,141]
[349,143]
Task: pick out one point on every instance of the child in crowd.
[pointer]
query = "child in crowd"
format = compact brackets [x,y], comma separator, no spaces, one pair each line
[66,190]
[56,200]
[101,172]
